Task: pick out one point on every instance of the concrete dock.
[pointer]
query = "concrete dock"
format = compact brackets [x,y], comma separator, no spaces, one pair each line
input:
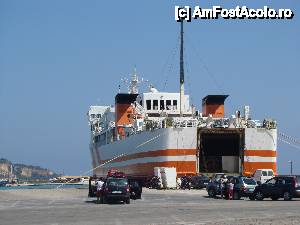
[72,207]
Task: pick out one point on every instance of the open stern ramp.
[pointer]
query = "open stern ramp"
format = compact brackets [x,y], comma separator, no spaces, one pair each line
[236,150]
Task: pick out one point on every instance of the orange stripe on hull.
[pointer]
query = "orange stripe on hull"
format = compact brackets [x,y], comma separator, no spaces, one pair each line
[147,169]
[263,153]
[251,167]
[157,153]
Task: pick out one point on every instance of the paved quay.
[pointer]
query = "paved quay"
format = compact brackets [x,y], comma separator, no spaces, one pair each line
[72,207]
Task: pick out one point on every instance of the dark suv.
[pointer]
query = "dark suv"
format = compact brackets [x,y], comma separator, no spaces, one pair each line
[286,187]
[116,189]
[244,187]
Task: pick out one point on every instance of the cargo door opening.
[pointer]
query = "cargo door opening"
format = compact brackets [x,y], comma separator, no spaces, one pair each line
[220,150]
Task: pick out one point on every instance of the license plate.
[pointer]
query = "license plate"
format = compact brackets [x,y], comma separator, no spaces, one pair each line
[205,183]
[117,192]
[251,189]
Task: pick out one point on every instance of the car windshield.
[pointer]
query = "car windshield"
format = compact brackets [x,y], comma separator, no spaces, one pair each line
[218,176]
[271,181]
[270,173]
[117,182]
[200,178]
[249,181]
[264,173]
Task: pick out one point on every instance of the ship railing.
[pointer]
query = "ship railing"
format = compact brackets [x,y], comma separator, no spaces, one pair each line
[185,123]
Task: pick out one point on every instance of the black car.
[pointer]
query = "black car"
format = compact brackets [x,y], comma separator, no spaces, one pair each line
[286,187]
[116,189]
[135,190]
[198,182]
[3,183]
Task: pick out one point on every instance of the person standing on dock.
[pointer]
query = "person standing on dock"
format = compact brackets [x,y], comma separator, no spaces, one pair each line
[231,186]
[223,180]
[99,184]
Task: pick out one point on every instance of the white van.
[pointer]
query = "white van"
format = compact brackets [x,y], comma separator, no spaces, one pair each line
[263,175]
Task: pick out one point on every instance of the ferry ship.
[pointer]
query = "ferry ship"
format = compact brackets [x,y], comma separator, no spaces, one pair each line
[161,129]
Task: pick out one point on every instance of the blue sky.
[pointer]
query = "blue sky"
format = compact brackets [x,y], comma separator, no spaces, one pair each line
[59,57]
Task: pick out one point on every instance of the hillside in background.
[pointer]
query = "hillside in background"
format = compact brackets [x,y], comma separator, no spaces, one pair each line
[24,172]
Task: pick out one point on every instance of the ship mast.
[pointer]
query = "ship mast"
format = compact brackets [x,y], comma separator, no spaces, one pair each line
[181,70]
[133,83]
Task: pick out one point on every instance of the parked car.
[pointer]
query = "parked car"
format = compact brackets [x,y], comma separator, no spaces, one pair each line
[135,190]
[186,182]
[286,187]
[218,176]
[213,187]
[116,189]
[198,182]
[3,183]
[262,175]
[244,187]
[154,183]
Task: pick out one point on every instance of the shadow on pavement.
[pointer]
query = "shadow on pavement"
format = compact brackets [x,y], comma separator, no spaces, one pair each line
[108,203]
[91,201]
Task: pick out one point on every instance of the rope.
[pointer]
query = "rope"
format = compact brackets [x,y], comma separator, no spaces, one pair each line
[111,160]
[171,64]
[292,139]
[204,66]
[291,144]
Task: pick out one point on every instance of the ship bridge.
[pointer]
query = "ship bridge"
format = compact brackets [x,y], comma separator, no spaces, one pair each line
[156,103]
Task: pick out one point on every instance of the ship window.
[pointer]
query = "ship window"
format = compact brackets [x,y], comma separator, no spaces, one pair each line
[155,104]
[175,104]
[168,103]
[162,104]
[148,104]
[93,115]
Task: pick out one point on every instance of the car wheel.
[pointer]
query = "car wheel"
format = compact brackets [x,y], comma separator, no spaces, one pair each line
[134,197]
[259,196]
[252,197]
[287,196]
[274,198]
[211,193]
[127,201]
[236,196]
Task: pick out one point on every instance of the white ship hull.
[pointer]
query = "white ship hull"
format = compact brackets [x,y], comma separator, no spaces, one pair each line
[137,155]
[260,150]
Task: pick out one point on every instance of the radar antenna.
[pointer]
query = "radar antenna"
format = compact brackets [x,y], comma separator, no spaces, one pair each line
[133,83]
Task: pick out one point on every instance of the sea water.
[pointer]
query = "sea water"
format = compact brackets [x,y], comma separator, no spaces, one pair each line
[45,186]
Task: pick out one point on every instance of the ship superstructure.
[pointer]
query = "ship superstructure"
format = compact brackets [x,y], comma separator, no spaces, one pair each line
[161,129]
